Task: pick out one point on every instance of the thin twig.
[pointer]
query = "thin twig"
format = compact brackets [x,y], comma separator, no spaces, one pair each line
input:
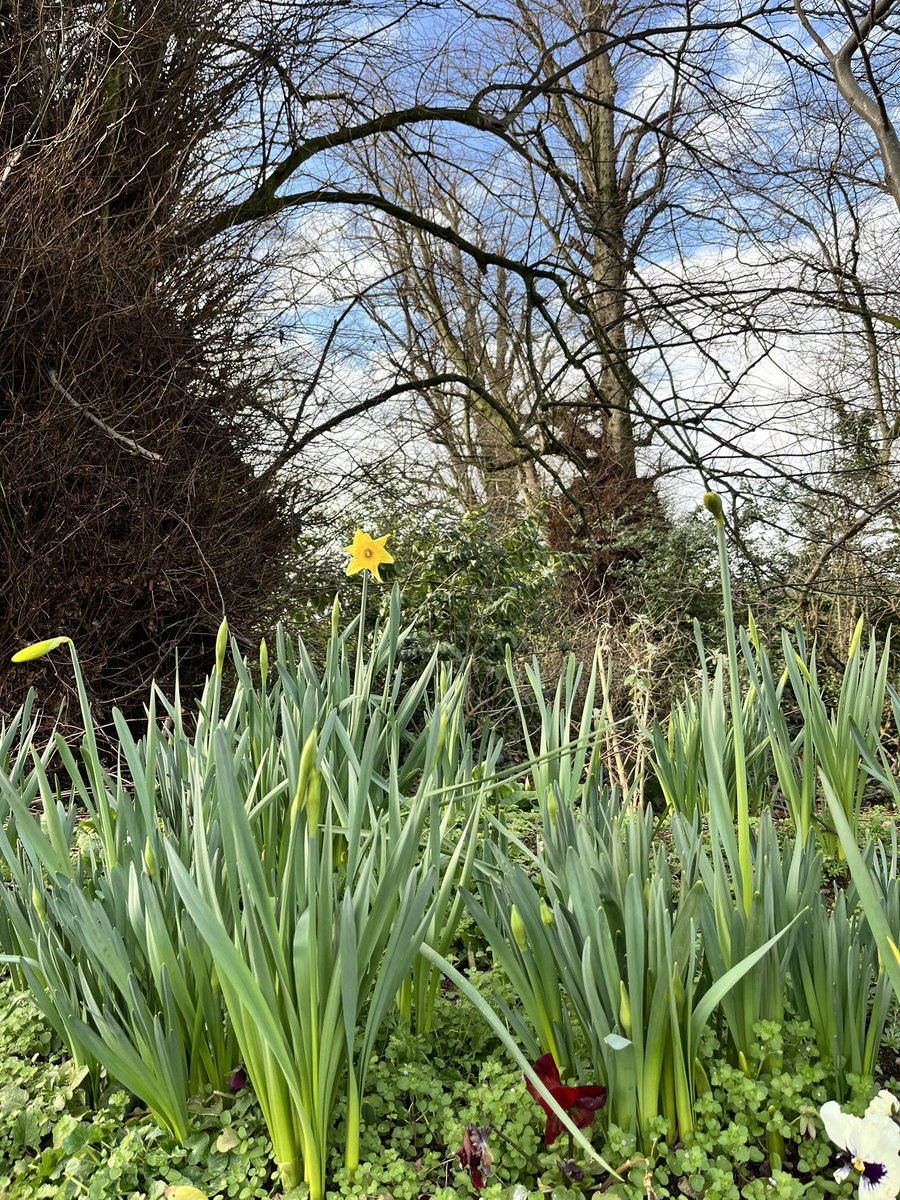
[128,442]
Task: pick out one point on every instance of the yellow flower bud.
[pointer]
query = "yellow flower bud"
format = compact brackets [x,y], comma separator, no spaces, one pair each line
[149,858]
[39,649]
[221,645]
[713,504]
[546,914]
[263,660]
[518,928]
[855,640]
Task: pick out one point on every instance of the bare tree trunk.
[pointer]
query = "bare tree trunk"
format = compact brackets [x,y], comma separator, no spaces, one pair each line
[606,222]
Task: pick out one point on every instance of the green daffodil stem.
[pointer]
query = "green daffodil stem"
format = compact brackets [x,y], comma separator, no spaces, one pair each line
[404,999]
[291,1175]
[742,802]
[351,1145]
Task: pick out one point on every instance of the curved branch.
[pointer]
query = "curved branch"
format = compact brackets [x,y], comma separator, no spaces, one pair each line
[263,201]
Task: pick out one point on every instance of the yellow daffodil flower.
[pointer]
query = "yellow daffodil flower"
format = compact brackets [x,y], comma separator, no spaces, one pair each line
[367,554]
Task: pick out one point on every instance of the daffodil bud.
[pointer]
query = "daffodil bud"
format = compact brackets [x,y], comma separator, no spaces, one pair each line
[552,806]
[546,914]
[263,660]
[335,616]
[713,504]
[442,733]
[149,858]
[37,901]
[518,928]
[308,785]
[855,640]
[624,1009]
[743,1064]
[39,649]
[221,645]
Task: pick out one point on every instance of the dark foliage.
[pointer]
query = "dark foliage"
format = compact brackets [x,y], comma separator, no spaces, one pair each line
[131,518]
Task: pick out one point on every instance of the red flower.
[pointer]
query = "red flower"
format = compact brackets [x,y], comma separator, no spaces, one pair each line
[474,1155]
[579,1102]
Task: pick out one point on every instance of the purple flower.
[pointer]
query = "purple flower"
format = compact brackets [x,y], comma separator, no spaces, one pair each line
[238,1078]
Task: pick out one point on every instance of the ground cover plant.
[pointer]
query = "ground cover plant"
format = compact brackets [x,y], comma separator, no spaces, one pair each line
[225,949]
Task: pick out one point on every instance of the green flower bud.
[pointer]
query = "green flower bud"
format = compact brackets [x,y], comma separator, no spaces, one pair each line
[624,1009]
[712,503]
[518,928]
[442,734]
[37,901]
[308,785]
[263,660]
[313,802]
[149,858]
[221,645]
[546,914]
[335,617]
[552,806]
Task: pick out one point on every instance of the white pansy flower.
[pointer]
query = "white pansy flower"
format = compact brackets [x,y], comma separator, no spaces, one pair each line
[885,1104]
[868,1145]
